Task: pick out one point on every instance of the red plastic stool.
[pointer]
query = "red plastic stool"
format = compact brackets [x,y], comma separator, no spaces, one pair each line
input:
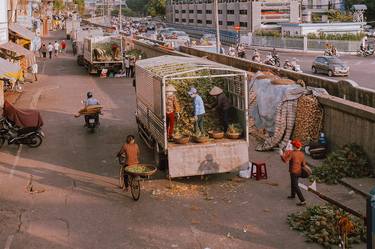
[261,170]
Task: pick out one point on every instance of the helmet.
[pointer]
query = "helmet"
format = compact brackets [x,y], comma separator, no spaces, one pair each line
[89,94]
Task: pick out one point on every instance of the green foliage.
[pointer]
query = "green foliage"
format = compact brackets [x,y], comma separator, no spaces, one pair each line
[320,224]
[370,13]
[124,12]
[337,16]
[81,6]
[138,6]
[136,53]
[268,33]
[156,8]
[340,37]
[349,161]
[58,5]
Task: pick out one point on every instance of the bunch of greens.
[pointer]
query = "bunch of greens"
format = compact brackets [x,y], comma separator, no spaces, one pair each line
[322,224]
[349,161]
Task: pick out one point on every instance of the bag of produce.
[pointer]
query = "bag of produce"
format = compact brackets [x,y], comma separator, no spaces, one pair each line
[306,171]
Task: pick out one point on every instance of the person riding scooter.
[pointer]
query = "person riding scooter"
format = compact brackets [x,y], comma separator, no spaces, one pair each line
[288,65]
[90,101]
[256,56]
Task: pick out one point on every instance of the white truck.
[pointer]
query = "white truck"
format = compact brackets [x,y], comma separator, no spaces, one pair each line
[102,52]
[215,156]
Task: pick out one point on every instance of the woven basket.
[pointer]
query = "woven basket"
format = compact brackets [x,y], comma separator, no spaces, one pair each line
[234,135]
[200,139]
[181,139]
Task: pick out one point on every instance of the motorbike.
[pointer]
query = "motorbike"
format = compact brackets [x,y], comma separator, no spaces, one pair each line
[30,136]
[9,86]
[92,117]
[365,53]
[273,61]
[256,58]
[241,54]
[293,67]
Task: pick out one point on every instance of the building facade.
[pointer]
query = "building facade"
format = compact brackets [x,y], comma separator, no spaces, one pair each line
[249,15]
[3,22]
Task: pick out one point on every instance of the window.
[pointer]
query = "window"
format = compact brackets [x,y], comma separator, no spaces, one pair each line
[176,20]
[220,11]
[191,11]
[199,11]
[199,21]
[183,11]
[191,20]
[229,23]
[176,11]
[220,22]
[230,12]
[243,12]
[208,11]
[208,22]
[183,20]
[243,24]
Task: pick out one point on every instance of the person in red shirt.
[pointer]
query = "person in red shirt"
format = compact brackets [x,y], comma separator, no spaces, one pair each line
[130,152]
[63,46]
[296,159]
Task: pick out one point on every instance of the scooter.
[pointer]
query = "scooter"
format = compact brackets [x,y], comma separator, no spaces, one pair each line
[273,61]
[30,136]
[256,58]
[293,67]
[92,121]
[365,53]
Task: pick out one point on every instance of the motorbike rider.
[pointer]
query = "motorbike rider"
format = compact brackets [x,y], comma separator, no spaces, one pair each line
[90,101]
[269,58]
[256,55]
[241,51]
[232,51]
[288,65]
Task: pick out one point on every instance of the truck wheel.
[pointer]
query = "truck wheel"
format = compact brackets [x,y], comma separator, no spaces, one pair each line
[159,159]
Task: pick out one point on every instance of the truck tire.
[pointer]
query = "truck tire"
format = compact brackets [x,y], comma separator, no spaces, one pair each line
[160,159]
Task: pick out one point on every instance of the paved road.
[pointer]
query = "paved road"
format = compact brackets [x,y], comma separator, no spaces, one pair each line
[77,203]
[361,69]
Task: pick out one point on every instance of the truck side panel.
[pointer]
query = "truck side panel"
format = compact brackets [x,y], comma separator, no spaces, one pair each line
[202,159]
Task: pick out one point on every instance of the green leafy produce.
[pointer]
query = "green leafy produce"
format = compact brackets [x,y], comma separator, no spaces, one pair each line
[320,224]
[136,53]
[138,169]
[349,161]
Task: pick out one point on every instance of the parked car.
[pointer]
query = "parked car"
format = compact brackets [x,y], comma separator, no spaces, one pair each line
[330,65]
[166,31]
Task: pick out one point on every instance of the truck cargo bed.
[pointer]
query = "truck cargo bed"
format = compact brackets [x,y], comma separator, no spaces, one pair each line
[216,156]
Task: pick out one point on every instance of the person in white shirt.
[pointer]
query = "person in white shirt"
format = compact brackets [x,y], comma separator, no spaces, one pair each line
[56,46]
[34,70]
[50,50]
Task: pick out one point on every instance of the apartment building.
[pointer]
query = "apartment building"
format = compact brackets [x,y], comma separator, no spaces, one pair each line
[249,15]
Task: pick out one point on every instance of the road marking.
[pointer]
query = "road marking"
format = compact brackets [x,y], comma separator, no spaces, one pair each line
[9,241]
[15,163]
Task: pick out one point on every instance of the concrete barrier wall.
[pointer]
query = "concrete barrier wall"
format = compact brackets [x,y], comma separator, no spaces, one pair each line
[347,122]
[344,121]
[346,89]
[154,51]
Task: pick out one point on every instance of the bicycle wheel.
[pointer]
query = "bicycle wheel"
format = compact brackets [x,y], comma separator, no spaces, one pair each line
[122,177]
[135,187]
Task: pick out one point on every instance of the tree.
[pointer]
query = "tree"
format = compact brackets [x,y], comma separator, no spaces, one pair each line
[58,5]
[125,12]
[138,6]
[156,7]
[370,12]
[81,6]
[338,16]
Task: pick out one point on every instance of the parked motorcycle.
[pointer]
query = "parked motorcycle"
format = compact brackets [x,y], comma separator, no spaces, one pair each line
[11,86]
[30,136]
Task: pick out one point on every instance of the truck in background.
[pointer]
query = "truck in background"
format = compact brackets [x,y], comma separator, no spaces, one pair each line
[102,52]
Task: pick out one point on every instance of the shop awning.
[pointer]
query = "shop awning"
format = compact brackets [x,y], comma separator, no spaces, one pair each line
[21,31]
[9,70]
[19,50]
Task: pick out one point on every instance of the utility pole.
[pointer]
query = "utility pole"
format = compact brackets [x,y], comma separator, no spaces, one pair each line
[120,16]
[216,9]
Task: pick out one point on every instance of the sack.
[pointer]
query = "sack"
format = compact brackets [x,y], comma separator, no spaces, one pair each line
[306,171]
